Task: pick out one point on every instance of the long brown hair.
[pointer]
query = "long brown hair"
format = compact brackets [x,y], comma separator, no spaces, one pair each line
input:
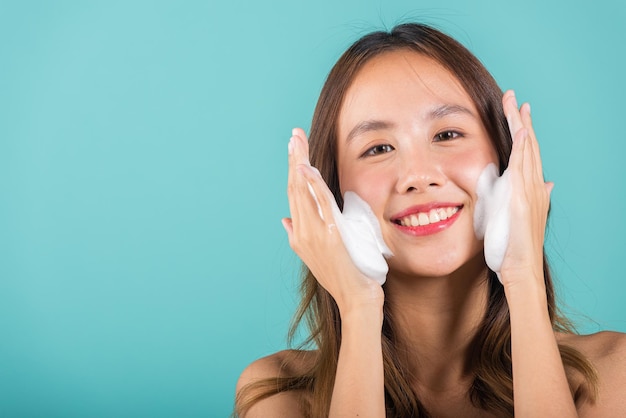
[492,387]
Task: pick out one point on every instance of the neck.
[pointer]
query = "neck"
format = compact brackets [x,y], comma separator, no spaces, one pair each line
[435,320]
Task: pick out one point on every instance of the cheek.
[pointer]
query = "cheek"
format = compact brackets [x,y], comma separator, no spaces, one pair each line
[465,168]
[467,175]
[371,186]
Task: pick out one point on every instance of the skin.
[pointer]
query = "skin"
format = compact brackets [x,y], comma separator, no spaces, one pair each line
[428,145]
[412,160]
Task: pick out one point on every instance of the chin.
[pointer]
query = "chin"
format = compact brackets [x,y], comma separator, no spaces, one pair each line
[437,266]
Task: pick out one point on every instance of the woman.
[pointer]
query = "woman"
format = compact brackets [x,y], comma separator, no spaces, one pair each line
[408,120]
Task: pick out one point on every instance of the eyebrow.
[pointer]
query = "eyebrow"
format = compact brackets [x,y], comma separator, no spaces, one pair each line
[368,126]
[438,112]
[446,110]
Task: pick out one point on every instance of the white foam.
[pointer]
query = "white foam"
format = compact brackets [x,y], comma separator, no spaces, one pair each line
[492,215]
[361,234]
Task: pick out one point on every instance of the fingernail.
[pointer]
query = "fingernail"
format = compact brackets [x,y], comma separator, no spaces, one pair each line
[290,146]
[294,131]
[528,104]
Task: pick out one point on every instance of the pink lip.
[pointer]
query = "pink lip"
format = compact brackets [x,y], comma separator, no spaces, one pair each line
[430,228]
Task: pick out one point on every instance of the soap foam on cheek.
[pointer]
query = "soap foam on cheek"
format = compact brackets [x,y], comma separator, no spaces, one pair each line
[361,234]
[492,216]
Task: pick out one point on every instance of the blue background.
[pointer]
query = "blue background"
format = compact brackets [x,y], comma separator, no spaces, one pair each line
[143,171]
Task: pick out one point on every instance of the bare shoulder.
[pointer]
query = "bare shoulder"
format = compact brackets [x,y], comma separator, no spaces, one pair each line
[281,364]
[287,363]
[607,352]
[600,346]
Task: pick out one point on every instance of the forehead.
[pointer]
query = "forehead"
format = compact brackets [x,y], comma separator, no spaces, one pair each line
[395,81]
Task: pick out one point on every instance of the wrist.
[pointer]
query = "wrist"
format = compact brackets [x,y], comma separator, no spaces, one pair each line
[528,283]
[368,313]
[368,300]
[527,295]
[523,280]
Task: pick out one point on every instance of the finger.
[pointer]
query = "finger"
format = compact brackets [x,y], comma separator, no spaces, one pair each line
[307,216]
[514,120]
[325,201]
[296,154]
[288,228]
[530,159]
[534,144]
[527,119]
[297,189]
[323,197]
[301,159]
[516,160]
[311,197]
[301,146]
[549,187]
[291,180]
[299,132]
[528,164]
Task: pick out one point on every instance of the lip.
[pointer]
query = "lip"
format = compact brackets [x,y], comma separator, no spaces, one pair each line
[430,228]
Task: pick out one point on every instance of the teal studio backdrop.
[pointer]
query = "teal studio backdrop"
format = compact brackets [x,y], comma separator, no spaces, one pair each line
[143,172]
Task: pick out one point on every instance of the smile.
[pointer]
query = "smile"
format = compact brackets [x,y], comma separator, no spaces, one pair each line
[427,221]
[427,218]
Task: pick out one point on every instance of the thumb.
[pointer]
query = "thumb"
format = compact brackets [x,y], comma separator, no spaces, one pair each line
[549,187]
[287,224]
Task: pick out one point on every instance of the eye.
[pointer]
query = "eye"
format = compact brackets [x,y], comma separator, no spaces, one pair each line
[447,136]
[378,149]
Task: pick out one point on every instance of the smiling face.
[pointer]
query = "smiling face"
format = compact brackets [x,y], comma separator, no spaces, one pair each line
[411,144]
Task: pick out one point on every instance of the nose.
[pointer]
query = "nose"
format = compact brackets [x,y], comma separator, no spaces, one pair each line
[418,172]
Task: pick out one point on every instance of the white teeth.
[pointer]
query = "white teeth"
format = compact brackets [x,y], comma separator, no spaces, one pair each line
[434,216]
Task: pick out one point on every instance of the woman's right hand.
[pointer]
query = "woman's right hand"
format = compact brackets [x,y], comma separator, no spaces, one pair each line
[316,238]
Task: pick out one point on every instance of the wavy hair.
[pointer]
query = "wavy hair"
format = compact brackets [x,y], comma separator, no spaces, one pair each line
[490,356]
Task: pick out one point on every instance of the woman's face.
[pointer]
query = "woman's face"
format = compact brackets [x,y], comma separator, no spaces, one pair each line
[412,145]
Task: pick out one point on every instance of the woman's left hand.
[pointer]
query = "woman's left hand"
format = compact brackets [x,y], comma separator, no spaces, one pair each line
[530,199]
[540,385]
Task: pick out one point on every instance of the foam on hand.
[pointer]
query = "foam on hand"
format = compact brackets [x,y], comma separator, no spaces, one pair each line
[492,216]
[361,234]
